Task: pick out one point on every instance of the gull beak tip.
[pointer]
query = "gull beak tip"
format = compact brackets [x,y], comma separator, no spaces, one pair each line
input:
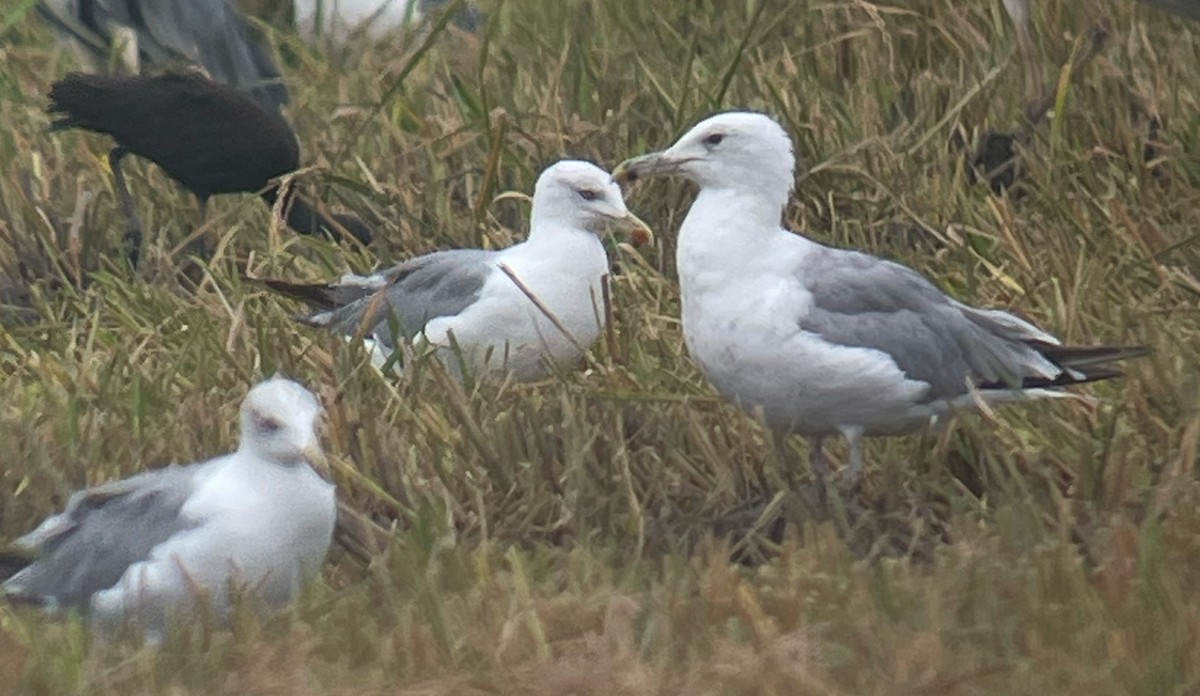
[641,236]
[637,231]
[315,456]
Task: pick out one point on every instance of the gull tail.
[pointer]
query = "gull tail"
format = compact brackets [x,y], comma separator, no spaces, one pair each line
[326,298]
[321,298]
[1081,364]
[13,561]
[14,565]
[315,295]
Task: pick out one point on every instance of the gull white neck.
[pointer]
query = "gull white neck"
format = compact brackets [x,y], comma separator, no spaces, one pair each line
[725,223]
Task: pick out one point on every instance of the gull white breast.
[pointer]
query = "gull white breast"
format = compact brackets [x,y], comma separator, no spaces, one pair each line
[148,547]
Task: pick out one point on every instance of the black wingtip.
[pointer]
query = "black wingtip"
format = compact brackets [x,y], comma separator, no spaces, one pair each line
[1083,364]
[1078,365]
[20,599]
[13,562]
[314,295]
[1084,356]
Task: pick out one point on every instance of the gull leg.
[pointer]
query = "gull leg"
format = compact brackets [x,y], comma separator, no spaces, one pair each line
[854,471]
[197,247]
[819,467]
[781,453]
[816,460]
[133,226]
[196,250]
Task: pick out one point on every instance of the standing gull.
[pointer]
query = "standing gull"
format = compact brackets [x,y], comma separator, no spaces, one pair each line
[344,22]
[828,341]
[518,309]
[143,548]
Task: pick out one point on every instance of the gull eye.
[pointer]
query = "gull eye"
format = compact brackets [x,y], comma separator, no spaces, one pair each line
[714,139]
[588,194]
[266,425]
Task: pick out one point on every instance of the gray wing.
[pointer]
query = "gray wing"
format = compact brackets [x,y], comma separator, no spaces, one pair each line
[402,299]
[867,302]
[1183,8]
[67,19]
[468,17]
[209,33]
[103,531]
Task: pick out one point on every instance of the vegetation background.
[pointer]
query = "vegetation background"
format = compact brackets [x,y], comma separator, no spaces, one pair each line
[558,538]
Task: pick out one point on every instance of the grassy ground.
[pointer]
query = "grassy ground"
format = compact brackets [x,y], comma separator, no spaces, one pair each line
[557,538]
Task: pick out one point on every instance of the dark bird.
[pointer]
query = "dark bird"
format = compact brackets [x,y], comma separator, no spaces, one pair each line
[208,136]
[163,34]
[996,159]
[1039,97]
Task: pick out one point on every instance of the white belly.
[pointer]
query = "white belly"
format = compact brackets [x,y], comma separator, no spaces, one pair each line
[746,338]
[510,333]
[264,545]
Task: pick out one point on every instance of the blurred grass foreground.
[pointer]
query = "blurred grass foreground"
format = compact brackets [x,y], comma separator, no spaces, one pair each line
[620,530]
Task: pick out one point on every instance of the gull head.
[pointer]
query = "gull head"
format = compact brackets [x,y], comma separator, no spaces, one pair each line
[737,150]
[279,419]
[571,193]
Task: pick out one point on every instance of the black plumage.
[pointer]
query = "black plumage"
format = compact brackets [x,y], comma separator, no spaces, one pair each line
[209,137]
[1080,364]
[995,161]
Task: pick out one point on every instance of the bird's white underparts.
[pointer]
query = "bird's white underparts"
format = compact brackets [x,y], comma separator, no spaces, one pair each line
[154,547]
[521,311]
[830,341]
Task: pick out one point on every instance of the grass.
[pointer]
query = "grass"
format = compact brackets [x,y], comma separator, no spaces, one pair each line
[557,538]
